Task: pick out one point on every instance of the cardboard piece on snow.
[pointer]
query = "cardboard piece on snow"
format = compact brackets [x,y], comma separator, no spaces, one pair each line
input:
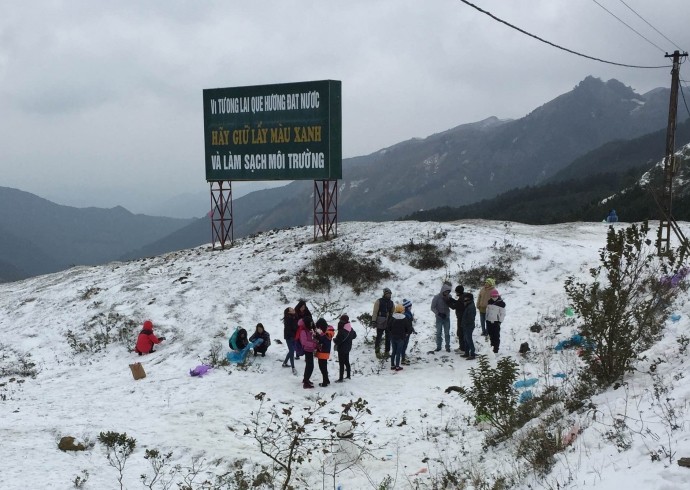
[137,370]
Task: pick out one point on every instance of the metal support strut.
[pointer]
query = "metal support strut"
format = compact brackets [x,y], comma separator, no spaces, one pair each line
[325,209]
[221,213]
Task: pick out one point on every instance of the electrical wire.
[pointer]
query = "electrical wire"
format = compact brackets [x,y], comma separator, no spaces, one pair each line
[684,101]
[556,45]
[650,25]
[629,27]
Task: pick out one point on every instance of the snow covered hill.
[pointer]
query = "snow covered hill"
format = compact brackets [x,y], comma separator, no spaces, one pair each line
[195,299]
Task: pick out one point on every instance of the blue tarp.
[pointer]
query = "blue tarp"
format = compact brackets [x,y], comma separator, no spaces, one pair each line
[525,396]
[525,383]
[238,357]
[574,341]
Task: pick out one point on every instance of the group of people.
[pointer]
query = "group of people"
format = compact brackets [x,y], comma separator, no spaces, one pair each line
[310,339]
[491,314]
[394,324]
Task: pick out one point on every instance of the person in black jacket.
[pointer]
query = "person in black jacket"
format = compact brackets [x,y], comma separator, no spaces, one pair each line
[381,320]
[459,306]
[260,333]
[467,323]
[289,333]
[401,328]
[343,343]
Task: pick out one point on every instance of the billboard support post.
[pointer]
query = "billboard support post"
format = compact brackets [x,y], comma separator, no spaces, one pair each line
[325,209]
[221,213]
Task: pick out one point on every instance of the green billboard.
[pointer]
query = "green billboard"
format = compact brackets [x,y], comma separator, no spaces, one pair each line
[289,131]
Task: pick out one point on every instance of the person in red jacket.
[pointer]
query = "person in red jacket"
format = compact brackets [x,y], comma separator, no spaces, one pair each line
[147,339]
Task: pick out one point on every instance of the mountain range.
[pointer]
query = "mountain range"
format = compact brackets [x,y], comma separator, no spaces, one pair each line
[590,143]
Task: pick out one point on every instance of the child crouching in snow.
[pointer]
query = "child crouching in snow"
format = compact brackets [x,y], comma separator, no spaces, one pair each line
[147,339]
[325,334]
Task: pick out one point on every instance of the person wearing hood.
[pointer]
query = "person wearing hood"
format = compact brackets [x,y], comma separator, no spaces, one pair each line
[239,341]
[401,328]
[483,301]
[343,344]
[380,319]
[309,344]
[260,333]
[147,339]
[612,217]
[302,311]
[325,334]
[495,313]
[441,309]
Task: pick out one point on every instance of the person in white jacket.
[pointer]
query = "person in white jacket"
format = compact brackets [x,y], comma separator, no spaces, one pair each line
[495,313]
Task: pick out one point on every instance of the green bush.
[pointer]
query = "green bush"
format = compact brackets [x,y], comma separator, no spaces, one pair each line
[625,306]
[330,263]
[423,256]
[539,446]
[492,394]
[500,267]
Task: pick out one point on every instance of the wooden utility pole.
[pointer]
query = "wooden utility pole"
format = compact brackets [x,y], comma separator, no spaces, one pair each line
[670,163]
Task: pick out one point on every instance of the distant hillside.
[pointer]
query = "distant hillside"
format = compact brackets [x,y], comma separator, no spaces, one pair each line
[606,178]
[38,236]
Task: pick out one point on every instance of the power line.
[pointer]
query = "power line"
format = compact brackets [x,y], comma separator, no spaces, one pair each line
[650,25]
[628,26]
[684,101]
[556,45]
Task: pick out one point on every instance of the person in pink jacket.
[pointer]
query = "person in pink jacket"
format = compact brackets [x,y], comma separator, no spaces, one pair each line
[309,344]
[147,339]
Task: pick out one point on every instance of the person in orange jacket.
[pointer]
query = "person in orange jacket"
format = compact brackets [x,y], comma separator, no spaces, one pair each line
[147,339]
[325,333]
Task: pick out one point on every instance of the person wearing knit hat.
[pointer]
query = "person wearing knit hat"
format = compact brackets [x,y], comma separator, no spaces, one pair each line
[343,344]
[325,334]
[147,339]
[401,327]
[440,306]
[407,304]
[495,314]
[482,302]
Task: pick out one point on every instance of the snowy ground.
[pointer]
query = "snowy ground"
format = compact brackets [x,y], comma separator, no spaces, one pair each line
[196,297]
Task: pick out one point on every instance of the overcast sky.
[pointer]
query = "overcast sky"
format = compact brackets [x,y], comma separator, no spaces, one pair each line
[109,94]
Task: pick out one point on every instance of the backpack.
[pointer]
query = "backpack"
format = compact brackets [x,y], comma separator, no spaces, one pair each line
[233,338]
[299,350]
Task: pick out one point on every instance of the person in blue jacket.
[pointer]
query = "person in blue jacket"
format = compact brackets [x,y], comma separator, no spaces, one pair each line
[612,217]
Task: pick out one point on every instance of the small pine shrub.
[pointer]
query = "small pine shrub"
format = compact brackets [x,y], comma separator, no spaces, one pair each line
[492,394]
[330,263]
[500,267]
[539,446]
[118,449]
[423,256]
[625,306]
